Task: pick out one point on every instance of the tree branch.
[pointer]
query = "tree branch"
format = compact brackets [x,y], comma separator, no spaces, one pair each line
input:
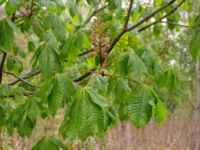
[21,79]
[113,43]
[128,15]
[25,76]
[85,75]
[2,64]
[31,9]
[147,17]
[166,15]
[125,29]
[96,10]
[174,23]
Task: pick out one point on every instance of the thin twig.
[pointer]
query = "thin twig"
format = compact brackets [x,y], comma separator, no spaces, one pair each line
[112,44]
[128,15]
[106,74]
[2,64]
[21,79]
[31,10]
[25,76]
[174,23]
[166,15]
[125,29]
[147,17]
[96,10]
[84,76]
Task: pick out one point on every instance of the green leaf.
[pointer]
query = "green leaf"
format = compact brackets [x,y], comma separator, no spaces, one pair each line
[55,23]
[161,112]
[31,46]
[196,23]
[75,121]
[49,61]
[167,79]
[49,143]
[92,2]
[12,6]
[38,26]
[26,126]
[113,4]
[72,9]
[56,97]
[158,2]
[57,91]
[2,1]
[19,118]
[75,42]
[86,116]
[67,86]
[118,89]
[57,143]
[10,63]
[6,35]
[157,29]
[138,108]
[33,109]
[131,65]
[195,45]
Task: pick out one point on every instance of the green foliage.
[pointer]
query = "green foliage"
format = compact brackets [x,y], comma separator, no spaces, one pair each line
[56,91]
[131,65]
[48,59]
[138,107]
[194,44]
[49,143]
[87,115]
[13,5]
[23,117]
[133,82]
[6,35]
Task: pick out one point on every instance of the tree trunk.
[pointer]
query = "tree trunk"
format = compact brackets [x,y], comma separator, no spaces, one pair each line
[196,112]
[197,90]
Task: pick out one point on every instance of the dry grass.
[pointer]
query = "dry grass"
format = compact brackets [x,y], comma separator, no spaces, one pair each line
[177,133]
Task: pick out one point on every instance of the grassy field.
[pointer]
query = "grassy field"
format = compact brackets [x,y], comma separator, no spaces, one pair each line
[177,133]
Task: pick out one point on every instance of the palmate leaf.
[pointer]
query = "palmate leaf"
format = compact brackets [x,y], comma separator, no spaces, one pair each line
[49,143]
[131,65]
[76,119]
[63,89]
[86,116]
[48,59]
[55,90]
[138,106]
[95,121]
[24,117]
